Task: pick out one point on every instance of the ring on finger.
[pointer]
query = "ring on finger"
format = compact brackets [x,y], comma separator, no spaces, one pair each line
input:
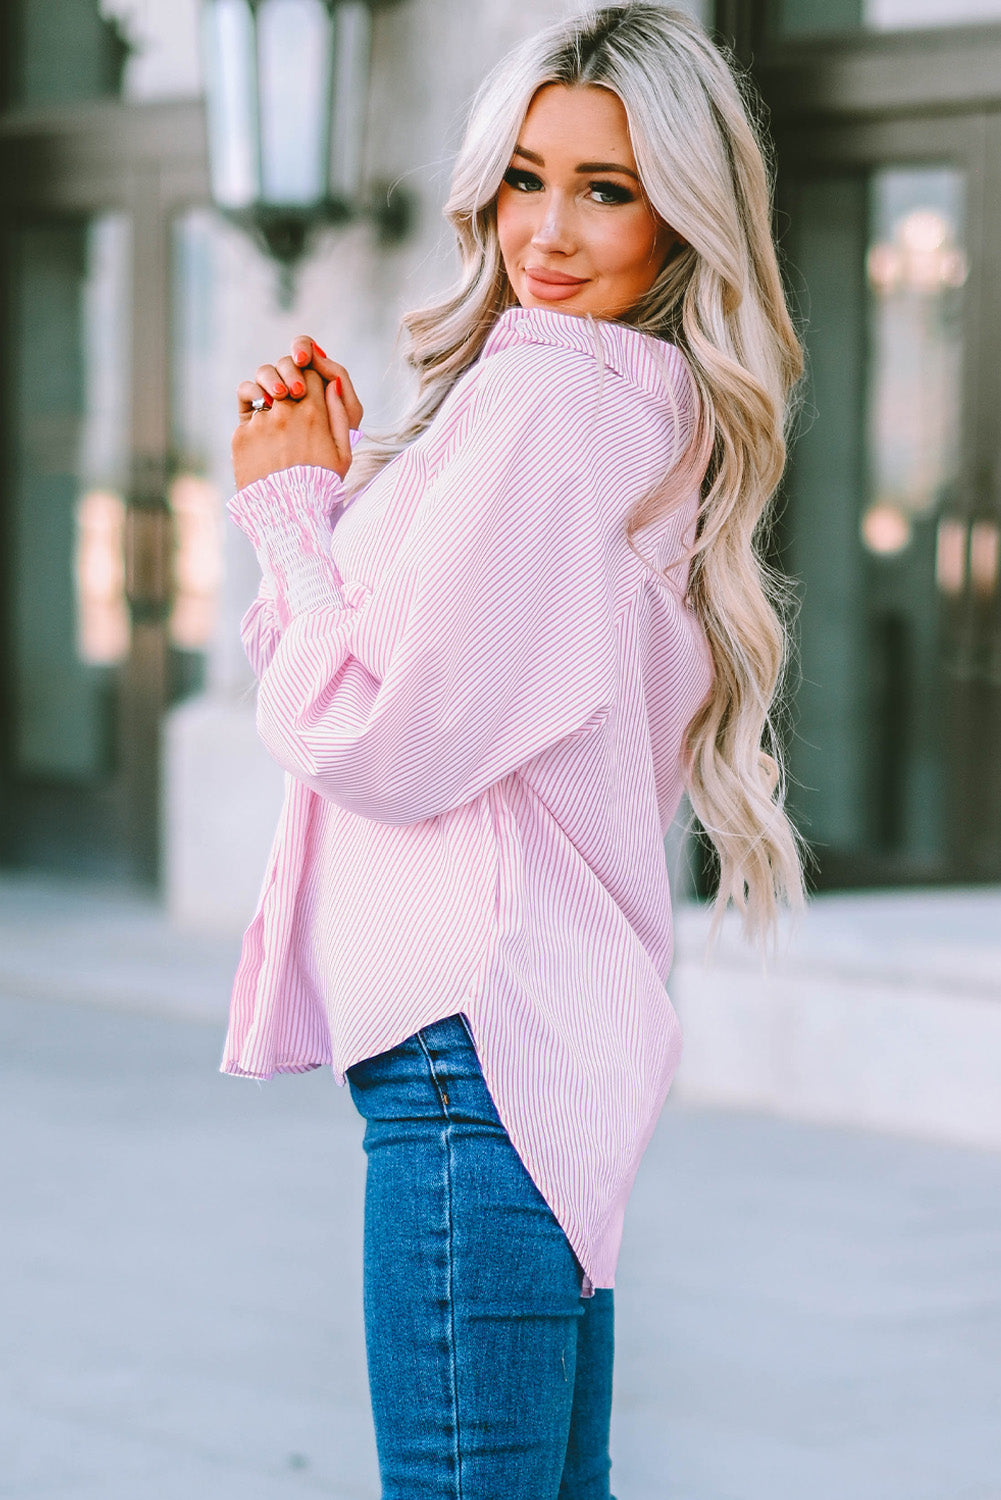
[262,403]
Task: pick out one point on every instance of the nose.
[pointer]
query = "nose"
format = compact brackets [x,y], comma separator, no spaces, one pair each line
[554,230]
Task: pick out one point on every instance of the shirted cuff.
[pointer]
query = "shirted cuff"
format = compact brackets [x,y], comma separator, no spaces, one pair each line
[287,516]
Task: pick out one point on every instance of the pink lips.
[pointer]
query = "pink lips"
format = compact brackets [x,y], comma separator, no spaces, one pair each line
[552,286]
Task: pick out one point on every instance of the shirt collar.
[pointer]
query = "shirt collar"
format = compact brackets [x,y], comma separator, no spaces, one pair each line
[646,361]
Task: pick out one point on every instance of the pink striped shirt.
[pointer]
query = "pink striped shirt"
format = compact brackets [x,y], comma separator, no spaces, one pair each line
[480,692]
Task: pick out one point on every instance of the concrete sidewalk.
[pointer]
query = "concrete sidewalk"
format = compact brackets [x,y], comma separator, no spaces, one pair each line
[804,1312]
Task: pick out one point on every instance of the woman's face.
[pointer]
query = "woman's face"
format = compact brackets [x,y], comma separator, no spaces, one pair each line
[576,230]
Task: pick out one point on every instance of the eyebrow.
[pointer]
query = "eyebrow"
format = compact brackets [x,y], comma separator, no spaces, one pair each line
[584,166]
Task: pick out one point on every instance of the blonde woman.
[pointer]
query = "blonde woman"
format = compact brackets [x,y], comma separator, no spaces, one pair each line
[493,650]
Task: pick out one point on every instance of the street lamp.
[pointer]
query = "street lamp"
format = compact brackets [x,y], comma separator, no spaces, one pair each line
[286,93]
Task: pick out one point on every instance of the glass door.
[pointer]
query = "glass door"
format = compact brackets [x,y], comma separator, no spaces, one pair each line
[68,630]
[108,527]
[891,526]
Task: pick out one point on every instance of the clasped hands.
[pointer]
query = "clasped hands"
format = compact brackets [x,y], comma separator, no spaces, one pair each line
[313,408]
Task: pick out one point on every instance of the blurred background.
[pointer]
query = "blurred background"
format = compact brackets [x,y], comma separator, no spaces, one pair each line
[174,208]
[131,307]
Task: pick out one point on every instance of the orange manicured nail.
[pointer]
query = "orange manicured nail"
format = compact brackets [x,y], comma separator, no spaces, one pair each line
[281,390]
[298,389]
[321,352]
[338,387]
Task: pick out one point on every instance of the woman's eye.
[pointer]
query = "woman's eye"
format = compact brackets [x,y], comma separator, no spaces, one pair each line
[610,192]
[522,182]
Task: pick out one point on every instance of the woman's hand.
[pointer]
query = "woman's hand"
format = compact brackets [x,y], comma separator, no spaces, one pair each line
[313,408]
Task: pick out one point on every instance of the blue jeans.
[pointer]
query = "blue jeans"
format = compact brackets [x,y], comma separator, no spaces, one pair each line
[490,1375]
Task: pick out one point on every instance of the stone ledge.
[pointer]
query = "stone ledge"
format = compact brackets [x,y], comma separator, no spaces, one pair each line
[880,1010]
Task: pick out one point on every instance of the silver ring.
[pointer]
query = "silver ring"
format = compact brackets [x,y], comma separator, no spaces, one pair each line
[261,404]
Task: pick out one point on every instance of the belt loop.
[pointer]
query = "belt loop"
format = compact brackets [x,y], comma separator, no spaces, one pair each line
[439,1087]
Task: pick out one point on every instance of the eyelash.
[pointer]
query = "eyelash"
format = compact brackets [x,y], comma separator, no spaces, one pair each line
[614,192]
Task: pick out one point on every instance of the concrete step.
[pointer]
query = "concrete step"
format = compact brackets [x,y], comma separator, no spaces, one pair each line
[880,1009]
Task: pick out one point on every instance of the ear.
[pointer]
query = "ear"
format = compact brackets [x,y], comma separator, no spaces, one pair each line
[667,244]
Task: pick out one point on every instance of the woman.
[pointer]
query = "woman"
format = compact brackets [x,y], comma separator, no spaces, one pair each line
[492,652]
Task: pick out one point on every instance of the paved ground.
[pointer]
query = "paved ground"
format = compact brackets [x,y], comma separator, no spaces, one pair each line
[803,1313]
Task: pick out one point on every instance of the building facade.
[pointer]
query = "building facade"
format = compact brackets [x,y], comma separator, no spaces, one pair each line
[131,310]
[888,134]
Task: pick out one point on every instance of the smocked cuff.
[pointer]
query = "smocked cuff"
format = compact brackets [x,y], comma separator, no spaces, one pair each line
[287,516]
[290,498]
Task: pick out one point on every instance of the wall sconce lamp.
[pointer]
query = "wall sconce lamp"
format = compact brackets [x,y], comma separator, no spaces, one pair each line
[287,86]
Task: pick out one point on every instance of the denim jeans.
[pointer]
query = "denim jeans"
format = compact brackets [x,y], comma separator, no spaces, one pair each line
[490,1375]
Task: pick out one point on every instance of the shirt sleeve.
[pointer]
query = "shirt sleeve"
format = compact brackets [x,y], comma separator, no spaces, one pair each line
[295,571]
[491,638]
[260,631]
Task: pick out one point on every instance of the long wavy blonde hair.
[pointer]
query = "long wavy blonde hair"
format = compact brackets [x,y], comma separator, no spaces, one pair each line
[720,300]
